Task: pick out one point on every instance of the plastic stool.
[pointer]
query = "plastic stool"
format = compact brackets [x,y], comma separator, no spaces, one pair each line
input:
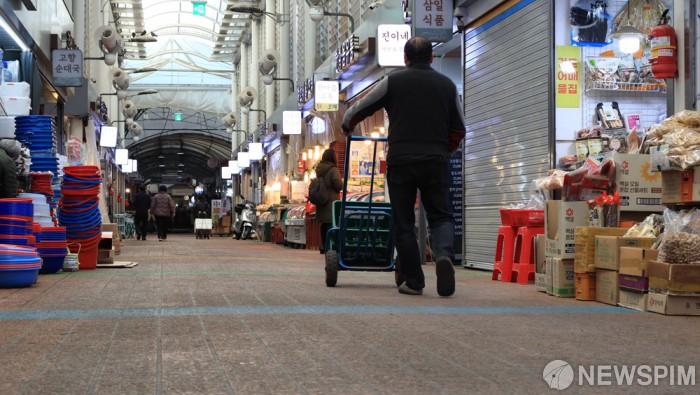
[503,262]
[524,254]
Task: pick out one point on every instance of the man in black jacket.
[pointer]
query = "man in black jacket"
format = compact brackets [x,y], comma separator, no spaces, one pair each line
[142,203]
[426,125]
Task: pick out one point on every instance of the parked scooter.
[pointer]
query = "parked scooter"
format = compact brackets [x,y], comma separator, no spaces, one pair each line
[245,220]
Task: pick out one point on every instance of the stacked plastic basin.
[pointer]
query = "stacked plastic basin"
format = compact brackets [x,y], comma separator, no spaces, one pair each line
[42,184]
[16,216]
[19,266]
[51,246]
[42,210]
[79,212]
[38,133]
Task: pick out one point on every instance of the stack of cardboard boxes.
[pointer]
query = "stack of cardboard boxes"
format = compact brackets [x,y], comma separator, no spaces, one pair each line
[607,266]
[110,244]
[584,260]
[633,277]
[674,289]
[561,220]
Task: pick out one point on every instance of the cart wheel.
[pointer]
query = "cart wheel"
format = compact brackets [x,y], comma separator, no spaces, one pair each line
[331,268]
[397,272]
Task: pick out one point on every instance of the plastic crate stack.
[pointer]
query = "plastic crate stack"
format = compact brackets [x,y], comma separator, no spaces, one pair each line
[37,132]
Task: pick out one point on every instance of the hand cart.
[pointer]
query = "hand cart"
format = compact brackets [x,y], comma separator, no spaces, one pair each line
[361,238]
[202,226]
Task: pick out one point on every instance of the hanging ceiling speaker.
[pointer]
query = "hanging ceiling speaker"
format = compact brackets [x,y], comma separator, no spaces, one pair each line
[247,96]
[135,129]
[268,61]
[120,79]
[229,120]
[129,108]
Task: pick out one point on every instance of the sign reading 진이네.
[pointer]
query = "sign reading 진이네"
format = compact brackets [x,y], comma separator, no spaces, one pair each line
[390,42]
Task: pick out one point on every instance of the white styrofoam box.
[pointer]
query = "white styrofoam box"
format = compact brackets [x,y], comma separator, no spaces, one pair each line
[37,198]
[7,127]
[42,210]
[17,105]
[14,89]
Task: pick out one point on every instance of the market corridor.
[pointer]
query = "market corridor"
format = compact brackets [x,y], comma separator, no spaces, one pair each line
[222,316]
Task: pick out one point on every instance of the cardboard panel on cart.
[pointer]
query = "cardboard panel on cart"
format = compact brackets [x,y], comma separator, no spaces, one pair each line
[673,304]
[561,220]
[607,249]
[640,189]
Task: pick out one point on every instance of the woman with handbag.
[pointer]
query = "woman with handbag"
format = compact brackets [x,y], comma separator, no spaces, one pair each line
[327,170]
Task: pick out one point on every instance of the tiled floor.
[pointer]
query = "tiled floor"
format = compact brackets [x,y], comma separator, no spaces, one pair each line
[222,316]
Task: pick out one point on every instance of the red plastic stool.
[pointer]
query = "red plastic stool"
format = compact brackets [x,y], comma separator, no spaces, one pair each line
[524,254]
[503,262]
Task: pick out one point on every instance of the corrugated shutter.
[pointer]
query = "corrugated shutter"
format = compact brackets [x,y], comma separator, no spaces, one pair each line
[507,110]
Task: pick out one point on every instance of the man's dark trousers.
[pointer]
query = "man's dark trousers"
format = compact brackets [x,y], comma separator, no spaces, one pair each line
[431,177]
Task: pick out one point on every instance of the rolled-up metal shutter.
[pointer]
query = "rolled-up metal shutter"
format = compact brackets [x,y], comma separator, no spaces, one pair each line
[508,60]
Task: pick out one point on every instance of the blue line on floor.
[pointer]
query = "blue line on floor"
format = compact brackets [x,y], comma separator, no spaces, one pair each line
[245,310]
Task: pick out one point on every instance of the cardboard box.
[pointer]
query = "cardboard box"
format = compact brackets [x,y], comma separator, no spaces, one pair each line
[540,263]
[562,277]
[106,241]
[607,289]
[561,220]
[107,227]
[607,249]
[633,300]
[628,282]
[105,256]
[226,220]
[549,280]
[671,304]
[680,186]
[585,286]
[674,278]
[584,258]
[640,189]
[633,260]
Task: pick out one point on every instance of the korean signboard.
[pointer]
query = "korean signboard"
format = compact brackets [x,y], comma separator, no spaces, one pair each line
[390,42]
[326,95]
[567,78]
[346,55]
[291,122]
[433,19]
[217,210]
[67,67]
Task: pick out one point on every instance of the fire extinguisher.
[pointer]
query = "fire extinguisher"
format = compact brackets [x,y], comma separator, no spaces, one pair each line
[664,47]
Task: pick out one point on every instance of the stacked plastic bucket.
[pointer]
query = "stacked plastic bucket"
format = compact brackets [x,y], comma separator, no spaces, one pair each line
[42,184]
[37,132]
[16,216]
[51,245]
[19,266]
[79,212]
